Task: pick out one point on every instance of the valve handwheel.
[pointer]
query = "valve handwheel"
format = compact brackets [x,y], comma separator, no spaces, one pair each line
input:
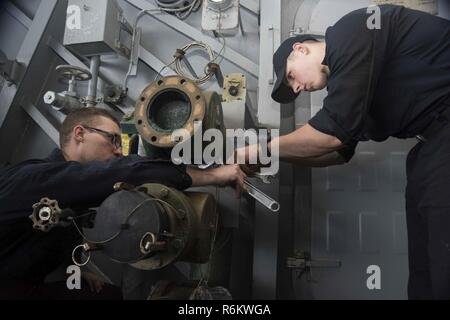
[73,73]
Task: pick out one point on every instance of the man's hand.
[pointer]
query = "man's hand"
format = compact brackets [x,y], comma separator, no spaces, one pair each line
[249,158]
[94,282]
[305,146]
[229,175]
[245,154]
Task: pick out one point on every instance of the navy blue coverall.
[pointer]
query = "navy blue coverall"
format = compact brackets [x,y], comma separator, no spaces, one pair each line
[27,255]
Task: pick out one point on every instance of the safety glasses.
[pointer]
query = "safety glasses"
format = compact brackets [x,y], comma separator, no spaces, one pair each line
[115,138]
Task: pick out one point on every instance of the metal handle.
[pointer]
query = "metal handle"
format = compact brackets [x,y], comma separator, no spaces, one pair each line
[260,196]
[272,30]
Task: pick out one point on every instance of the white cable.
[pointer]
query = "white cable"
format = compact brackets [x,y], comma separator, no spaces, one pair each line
[222,50]
[162,69]
[212,58]
[179,69]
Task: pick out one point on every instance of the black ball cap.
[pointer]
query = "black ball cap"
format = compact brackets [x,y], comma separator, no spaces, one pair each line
[282,93]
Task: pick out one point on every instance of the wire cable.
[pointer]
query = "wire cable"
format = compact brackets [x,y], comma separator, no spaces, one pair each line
[180,70]
[195,5]
[177,62]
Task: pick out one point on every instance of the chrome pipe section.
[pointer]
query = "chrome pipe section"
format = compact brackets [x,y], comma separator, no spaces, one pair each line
[92,90]
[262,198]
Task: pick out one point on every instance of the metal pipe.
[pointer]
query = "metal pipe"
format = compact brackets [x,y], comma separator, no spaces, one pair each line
[215,68]
[241,26]
[92,90]
[72,85]
[62,102]
[261,197]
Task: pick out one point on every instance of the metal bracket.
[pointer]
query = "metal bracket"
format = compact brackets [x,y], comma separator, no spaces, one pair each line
[268,113]
[123,49]
[299,31]
[303,263]
[12,71]
[215,68]
[113,94]
[9,96]
[134,56]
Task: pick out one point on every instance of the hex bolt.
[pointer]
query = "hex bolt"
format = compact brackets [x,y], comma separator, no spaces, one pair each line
[164,193]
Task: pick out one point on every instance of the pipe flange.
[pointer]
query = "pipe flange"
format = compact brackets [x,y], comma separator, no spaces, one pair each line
[182,231]
[166,105]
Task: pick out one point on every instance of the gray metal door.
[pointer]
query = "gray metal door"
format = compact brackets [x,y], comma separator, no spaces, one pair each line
[358,218]
[357,211]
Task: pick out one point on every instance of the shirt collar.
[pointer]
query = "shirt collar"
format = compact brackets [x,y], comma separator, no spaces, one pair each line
[327,53]
[56,156]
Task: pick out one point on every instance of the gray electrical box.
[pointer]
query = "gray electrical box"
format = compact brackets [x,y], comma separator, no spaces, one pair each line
[222,16]
[94,27]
